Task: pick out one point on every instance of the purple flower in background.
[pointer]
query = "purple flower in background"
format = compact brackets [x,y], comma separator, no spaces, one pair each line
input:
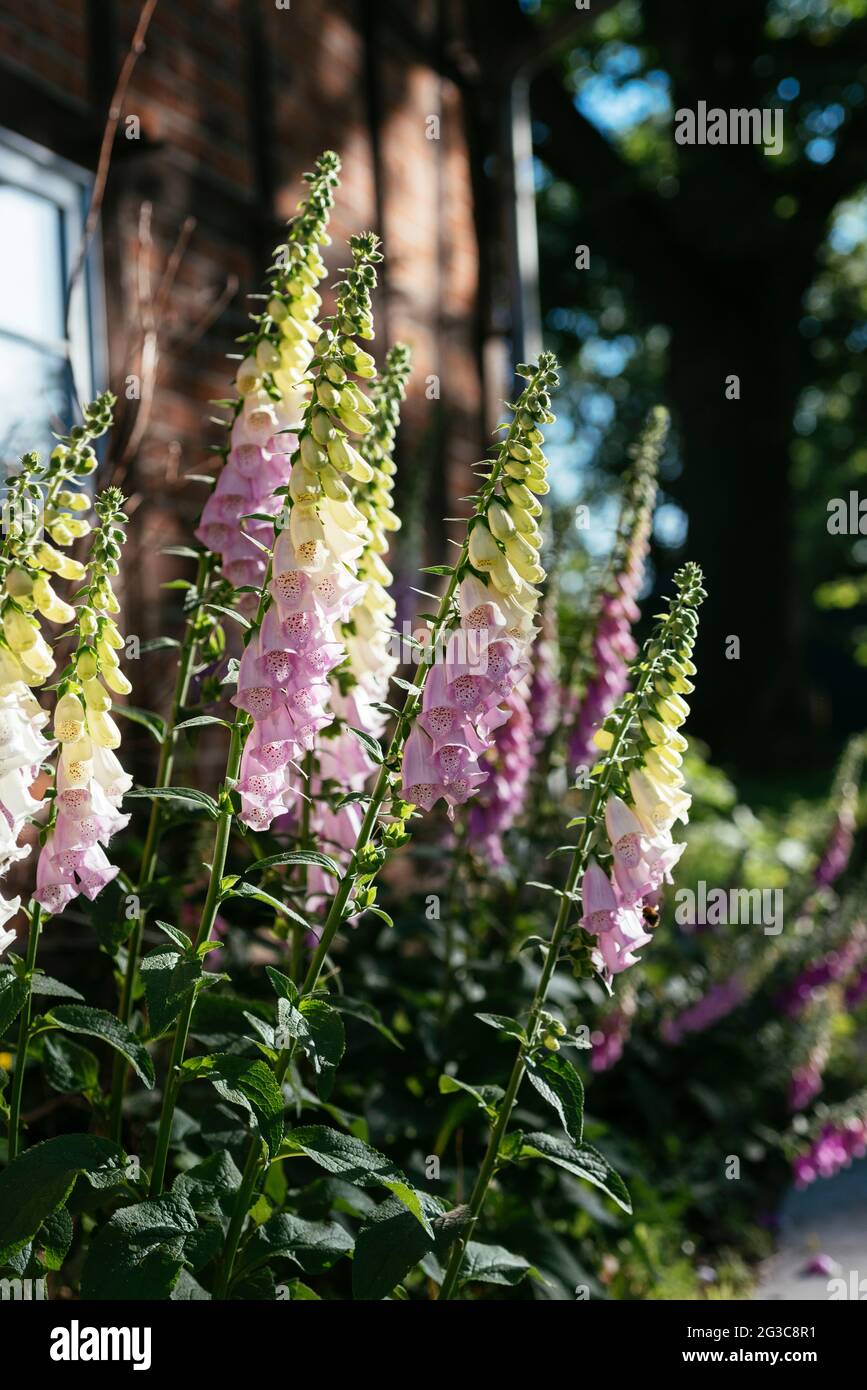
[838,849]
[610,1035]
[834,1149]
[509,762]
[546,694]
[806,1081]
[721,1000]
[829,969]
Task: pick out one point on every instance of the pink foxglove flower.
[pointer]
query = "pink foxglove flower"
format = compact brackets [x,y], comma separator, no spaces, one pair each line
[619,930]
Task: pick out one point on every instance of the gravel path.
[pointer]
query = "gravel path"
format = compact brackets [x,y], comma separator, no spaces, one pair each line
[828,1218]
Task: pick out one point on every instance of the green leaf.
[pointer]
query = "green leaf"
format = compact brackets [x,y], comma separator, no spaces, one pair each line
[503,1025]
[155,725]
[46,984]
[315,1245]
[13,993]
[200,720]
[229,613]
[325,1043]
[491,1264]
[40,1180]
[99,1023]
[436,569]
[54,1238]
[295,856]
[295,1289]
[365,1013]
[342,1154]
[484,1096]
[159,644]
[189,795]
[248,890]
[390,1243]
[185,552]
[180,938]
[248,1083]
[370,744]
[283,987]
[139,1253]
[580,1160]
[69,1068]
[168,977]
[559,1084]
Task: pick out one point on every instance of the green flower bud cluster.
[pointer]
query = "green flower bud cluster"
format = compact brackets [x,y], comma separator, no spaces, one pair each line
[279,347]
[504,539]
[662,676]
[374,498]
[338,407]
[41,496]
[95,664]
[551,1031]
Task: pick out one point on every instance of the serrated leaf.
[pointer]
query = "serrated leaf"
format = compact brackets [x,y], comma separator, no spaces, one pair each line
[180,938]
[189,795]
[283,987]
[390,1243]
[325,1043]
[168,977]
[296,856]
[365,1013]
[370,744]
[230,613]
[582,1161]
[559,1084]
[484,1096]
[46,984]
[314,1245]
[155,725]
[13,993]
[40,1180]
[99,1023]
[139,1252]
[54,1238]
[510,1026]
[68,1067]
[241,889]
[250,1084]
[492,1264]
[200,721]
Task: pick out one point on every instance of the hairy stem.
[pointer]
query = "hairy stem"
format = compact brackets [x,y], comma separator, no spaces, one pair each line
[150,852]
[206,923]
[23,1033]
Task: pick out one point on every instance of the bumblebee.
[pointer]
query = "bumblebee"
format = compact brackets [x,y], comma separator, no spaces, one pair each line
[651,916]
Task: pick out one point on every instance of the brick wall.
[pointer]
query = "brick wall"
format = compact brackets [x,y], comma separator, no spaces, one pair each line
[234,100]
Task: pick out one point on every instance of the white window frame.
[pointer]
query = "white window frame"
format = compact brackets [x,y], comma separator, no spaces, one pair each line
[38,170]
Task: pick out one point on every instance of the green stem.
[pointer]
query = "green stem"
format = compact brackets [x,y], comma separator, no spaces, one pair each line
[150,852]
[23,1033]
[576,868]
[206,923]
[236,1225]
[304,841]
